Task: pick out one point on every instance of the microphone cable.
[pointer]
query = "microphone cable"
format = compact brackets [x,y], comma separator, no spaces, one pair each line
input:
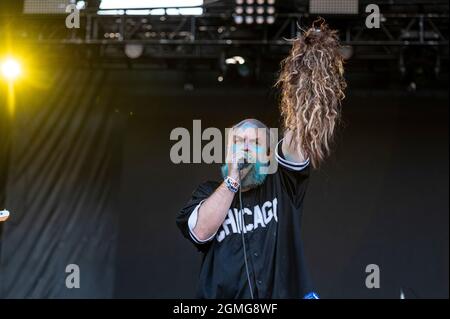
[242,235]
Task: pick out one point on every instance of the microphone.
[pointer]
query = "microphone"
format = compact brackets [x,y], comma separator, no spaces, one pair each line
[243,163]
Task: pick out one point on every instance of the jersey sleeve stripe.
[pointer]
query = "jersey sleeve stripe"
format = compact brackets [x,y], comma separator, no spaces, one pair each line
[289,164]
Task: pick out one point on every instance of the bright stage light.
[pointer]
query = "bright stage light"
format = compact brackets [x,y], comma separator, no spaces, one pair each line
[251,11]
[235,60]
[11,69]
[147,4]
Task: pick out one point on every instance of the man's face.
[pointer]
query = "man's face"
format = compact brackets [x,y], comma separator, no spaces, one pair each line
[248,143]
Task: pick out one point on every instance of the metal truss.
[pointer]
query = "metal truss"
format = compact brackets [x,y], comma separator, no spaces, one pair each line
[219,29]
[209,35]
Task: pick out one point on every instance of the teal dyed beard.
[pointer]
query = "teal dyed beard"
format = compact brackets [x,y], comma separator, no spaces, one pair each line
[252,179]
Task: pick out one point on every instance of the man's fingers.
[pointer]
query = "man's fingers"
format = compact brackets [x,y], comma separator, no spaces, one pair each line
[236,157]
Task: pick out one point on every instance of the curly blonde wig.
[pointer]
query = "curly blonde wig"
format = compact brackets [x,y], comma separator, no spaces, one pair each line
[312,88]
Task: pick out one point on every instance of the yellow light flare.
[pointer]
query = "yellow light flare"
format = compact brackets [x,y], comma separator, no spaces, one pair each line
[11,99]
[11,69]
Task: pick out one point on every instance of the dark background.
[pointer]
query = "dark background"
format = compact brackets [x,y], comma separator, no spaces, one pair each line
[381,198]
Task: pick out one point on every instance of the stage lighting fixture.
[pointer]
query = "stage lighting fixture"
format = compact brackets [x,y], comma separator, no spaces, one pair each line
[81,5]
[235,60]
[148,4]
[151,7]
[45,6]
[270,20]
[134,51]
[50,6]
[250,11]
[333,6]
[346,52]
[238,19]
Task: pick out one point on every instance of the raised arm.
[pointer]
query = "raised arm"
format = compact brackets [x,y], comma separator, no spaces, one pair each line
[312,88]
[291,151]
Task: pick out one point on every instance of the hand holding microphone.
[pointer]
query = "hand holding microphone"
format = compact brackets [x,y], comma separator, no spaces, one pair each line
[242,163]
[237,162]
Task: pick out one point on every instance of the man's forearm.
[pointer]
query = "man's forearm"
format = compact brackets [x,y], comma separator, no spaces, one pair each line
[291,151]
[212,212]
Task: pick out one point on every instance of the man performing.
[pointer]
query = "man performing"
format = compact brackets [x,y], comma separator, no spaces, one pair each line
[248,227]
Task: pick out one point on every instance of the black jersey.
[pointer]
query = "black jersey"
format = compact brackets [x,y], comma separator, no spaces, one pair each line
[272,230]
